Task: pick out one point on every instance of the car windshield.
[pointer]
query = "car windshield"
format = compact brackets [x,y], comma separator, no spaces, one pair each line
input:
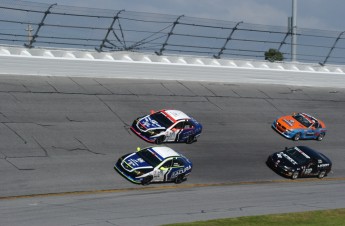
[162,119]
[149,157]
[296,155]
[301,119]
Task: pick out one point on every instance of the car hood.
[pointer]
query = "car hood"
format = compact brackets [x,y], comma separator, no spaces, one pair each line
[290,123]
[149,123]
[134,162]
[283,159]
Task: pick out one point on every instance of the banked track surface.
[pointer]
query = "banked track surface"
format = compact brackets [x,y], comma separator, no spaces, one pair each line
[64,134]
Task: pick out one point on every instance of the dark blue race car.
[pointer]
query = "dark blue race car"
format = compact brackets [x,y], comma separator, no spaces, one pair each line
[154,164]
[167,126]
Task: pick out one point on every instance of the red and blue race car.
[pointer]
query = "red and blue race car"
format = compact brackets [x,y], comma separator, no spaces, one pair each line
[167,126]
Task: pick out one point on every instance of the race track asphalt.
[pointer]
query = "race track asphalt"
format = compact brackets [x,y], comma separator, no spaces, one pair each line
[61,135]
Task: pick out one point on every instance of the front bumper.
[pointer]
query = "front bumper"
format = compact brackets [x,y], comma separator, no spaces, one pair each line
[278,168]
[127,176]
[282,131]
[141,135]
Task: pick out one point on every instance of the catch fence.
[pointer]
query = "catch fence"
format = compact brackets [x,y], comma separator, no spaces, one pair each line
[36,25]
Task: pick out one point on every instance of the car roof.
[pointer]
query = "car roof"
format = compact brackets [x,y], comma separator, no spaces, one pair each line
[164,152]
[313,153]
[309,117]
[176,114]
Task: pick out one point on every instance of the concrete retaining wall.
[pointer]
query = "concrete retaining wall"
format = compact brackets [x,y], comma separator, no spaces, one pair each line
[45,62]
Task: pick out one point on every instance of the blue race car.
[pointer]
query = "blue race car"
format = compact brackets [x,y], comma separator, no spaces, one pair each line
[154,164]
[167,126]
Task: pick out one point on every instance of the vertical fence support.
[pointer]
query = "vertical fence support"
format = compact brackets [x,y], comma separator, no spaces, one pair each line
[294,31]
[227,40]
[169,34]
[33,39]
[283,42]
[116,17]
[289,32]
[331,49]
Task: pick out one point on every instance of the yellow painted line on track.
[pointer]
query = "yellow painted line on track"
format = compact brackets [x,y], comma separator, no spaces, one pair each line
[170,187]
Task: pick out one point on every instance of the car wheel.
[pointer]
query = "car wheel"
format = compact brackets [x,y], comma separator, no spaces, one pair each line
[190,139]
[295,175]
[297,137]
[320,137]
[321,175]
[179,179]
[146,180]
[160,140]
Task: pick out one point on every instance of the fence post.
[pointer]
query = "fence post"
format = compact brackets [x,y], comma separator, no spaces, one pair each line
[289,32]
[39,27]
[227,40]
[169,34]
[331,49]
[100,49]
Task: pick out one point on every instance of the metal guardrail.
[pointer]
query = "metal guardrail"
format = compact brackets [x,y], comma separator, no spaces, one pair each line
[37,25]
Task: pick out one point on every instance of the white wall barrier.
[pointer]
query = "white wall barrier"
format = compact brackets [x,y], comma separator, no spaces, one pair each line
[78,63]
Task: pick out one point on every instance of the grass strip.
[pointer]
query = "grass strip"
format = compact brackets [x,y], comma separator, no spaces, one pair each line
[335,217]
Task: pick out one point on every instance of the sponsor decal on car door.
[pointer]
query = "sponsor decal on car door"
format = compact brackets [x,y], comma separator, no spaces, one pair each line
[310,169]
[310,132]
[161,172]
[173,133]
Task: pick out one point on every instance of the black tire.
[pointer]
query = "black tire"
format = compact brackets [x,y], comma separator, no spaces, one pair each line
[297,137]
[160,140]
[321,175]
[320,137]
[190,139]
[146,180]
[295,175]
[179,179]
